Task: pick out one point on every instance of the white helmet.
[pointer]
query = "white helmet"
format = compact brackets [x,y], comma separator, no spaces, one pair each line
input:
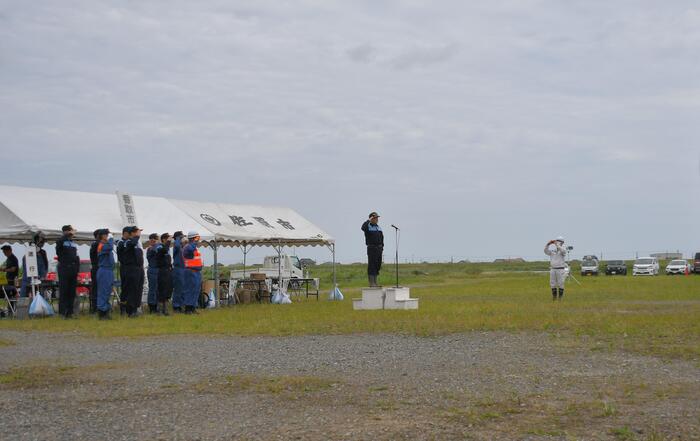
[560,239]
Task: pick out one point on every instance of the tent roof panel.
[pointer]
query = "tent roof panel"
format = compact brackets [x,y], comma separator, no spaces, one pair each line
[24,211]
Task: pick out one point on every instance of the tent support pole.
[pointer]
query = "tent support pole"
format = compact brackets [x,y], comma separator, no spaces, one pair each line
[216,272]
[279,265]
[245,254]
[335,282]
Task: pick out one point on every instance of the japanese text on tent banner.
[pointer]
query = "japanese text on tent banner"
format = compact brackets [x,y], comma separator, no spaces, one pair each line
[126,209]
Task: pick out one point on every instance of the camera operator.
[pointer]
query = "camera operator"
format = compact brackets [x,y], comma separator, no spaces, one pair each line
[557,272]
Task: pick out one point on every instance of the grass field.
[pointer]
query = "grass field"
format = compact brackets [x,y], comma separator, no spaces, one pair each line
[651,315]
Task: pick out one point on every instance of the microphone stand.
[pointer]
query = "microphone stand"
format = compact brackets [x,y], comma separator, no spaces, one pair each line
[396,231]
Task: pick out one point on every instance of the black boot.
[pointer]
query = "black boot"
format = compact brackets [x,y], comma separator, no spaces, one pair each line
[188,310]
[177,309]
[561,293]
[152,308]
[554,294]
[371,283]
[164,309]
[122,309]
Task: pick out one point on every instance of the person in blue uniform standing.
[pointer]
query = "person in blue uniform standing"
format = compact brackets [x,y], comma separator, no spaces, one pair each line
[131,256]
[94,264]
[165,268]
[193,269]
[374,239]
[105,273]
[152,272]
[178,279]
[68,266]
[42,264]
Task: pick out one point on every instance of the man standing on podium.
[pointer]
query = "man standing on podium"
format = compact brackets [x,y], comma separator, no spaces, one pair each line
[374,239]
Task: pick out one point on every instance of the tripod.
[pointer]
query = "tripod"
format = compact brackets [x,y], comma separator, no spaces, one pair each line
[570,275]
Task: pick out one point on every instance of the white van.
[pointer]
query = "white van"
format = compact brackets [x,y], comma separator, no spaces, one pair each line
[646,265]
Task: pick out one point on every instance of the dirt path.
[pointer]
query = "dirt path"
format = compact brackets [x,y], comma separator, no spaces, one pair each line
[472,386]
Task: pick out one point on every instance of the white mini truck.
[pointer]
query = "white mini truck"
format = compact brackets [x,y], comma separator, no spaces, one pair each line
[289,267]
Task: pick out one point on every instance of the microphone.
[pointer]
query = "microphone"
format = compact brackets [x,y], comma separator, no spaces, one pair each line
[394,226]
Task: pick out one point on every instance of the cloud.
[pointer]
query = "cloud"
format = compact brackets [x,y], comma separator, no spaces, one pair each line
[505,120]
[362,53]
[423,56]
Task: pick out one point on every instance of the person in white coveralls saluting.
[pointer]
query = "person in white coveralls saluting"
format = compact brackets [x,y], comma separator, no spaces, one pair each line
[557,271]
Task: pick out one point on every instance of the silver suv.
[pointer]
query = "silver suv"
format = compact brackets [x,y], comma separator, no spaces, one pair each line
[589,267]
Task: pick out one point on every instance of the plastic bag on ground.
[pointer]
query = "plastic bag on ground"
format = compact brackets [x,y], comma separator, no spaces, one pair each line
[211,303]
[284,299]
[335,294]
[276,296]
[40,307]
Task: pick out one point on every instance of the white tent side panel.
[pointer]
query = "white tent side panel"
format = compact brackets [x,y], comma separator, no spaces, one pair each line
[48,210]
[12,226]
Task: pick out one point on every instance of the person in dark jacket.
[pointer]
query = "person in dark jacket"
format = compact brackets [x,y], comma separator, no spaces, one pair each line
[11,268]
[105,273]
[165,277]
[152,272]
[124,281]
[42,264]
[68,266]
[374,239]
[131,255]
[94,264]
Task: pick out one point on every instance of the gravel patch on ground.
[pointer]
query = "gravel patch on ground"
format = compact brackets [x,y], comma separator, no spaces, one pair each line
[481,385]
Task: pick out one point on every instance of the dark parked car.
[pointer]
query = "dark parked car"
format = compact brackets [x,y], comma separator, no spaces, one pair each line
[616,267]
[696,263]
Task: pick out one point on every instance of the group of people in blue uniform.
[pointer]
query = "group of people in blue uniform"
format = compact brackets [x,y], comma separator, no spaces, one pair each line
[176,275]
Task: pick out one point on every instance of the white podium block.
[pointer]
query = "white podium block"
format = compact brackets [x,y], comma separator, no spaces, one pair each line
[399,298]
[385,298]
[372,298]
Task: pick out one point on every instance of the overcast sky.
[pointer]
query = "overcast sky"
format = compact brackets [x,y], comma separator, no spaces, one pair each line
[483,129]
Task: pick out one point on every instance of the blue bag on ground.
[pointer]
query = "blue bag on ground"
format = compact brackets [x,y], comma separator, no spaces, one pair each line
[211,301]
[284,299]
[335,294]
[276,296]
[40,307]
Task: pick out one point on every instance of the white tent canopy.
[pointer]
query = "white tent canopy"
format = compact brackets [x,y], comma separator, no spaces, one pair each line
[24,211]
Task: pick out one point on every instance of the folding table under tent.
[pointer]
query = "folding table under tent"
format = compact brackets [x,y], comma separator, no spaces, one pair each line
[25,211]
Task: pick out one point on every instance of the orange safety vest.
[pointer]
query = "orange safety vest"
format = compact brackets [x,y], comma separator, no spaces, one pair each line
[196,261]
